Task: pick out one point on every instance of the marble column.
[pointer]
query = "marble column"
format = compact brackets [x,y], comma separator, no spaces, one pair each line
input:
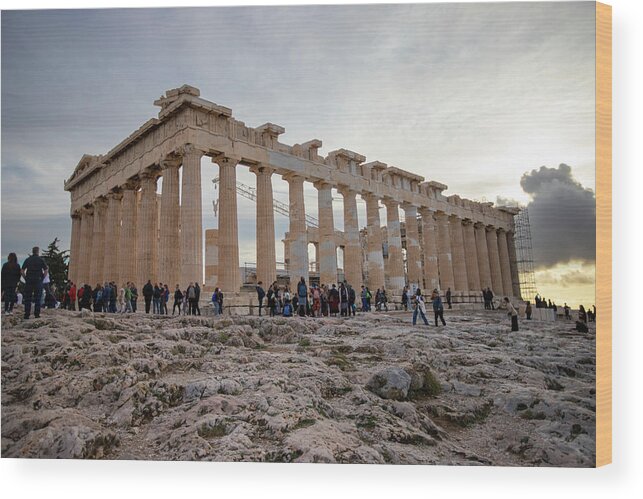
[265,236]
[513,261]
[471,256]
[352,249]
[445,265]
[98,241]
[494,261]
[127,257]
[146,234]
[298,249]
[111,271]
[429,250]
[395,258]
[191,234]
[229,274]
[74,253]
[505,266]
[413,254]
[86,232]
[483,256]
[170,211]
[458,256]
[327,248]
[375,258]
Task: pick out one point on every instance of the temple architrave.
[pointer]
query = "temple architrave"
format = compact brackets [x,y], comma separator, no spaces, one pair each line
[123,231]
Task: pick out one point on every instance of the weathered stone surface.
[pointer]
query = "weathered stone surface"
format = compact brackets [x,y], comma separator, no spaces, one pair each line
[295,390]
[390,383]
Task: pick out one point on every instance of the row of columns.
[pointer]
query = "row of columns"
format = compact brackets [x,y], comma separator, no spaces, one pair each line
[129,236]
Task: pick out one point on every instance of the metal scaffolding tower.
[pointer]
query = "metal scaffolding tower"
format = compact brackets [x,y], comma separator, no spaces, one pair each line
[524,257]
[251,193]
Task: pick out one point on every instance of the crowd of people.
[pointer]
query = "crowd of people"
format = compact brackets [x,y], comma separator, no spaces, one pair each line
[325,300]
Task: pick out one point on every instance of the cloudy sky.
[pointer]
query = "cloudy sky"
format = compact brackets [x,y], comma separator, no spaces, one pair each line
[477,96]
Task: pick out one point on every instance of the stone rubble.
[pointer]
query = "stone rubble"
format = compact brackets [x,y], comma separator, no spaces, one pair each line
[369,389]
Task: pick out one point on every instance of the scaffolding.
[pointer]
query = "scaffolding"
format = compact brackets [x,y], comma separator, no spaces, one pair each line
[251,193]
[524,256]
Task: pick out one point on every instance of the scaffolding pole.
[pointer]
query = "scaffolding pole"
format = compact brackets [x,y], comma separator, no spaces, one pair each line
[524,256]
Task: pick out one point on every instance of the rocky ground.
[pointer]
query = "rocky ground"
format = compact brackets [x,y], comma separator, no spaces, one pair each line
[370,389]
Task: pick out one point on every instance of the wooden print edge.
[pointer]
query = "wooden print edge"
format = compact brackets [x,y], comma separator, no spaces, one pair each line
[603,291]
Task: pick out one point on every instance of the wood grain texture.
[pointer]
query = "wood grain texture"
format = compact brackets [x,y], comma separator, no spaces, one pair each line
[603,234]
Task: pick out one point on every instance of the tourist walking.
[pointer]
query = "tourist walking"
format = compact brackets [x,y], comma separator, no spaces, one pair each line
[438,307]
[197,292]
[420,308]
[34,270]
[10,279]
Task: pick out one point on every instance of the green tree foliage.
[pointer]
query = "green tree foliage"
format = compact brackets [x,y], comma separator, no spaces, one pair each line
[58,263]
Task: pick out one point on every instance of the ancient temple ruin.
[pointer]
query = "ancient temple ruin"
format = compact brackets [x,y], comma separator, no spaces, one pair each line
[449,242]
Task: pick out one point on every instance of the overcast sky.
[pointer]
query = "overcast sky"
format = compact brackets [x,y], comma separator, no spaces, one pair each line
[471,95]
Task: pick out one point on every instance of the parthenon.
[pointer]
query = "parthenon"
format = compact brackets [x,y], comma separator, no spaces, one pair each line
[123,231]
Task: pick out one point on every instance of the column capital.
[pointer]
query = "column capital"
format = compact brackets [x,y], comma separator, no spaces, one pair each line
[76,214]
[389,201]
[467,221]
[454,217]
[366,196]
[425,211]
[490,228]
[188,150]
[322,185]
[222,160]
[441,215]
[170,162]
[115,194]
[293,178]
[409,206]
[262,169]
[100,202]
[131,184]
[87,210]
[501,230]
[147,177]
[346,191]
[479,225]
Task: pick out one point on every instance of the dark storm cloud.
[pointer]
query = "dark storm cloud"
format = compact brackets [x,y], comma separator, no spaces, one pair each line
[562,215]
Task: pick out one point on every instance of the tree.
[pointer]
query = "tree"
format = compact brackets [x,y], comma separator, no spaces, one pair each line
[58,263]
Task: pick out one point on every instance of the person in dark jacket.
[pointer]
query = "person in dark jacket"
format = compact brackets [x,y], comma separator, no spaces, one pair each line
[10,279]
[34,270]
[197,291]
[448,297]
[438,307]
[148,292]
[260,295]
[178,299]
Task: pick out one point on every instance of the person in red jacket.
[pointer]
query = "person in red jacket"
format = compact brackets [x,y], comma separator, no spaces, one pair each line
[72,297]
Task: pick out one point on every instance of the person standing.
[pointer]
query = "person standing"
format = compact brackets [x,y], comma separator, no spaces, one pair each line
[128,298]
[178,299]
[34,269]
[438,307]
[420,308]
[134,296]
[351,299]
[302,296]
[10,279]
[448,296]
[72,296]
[197,291]
[528,311]
[191,292]
[260,296]
[148,293]
[405,298]
[513,313]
